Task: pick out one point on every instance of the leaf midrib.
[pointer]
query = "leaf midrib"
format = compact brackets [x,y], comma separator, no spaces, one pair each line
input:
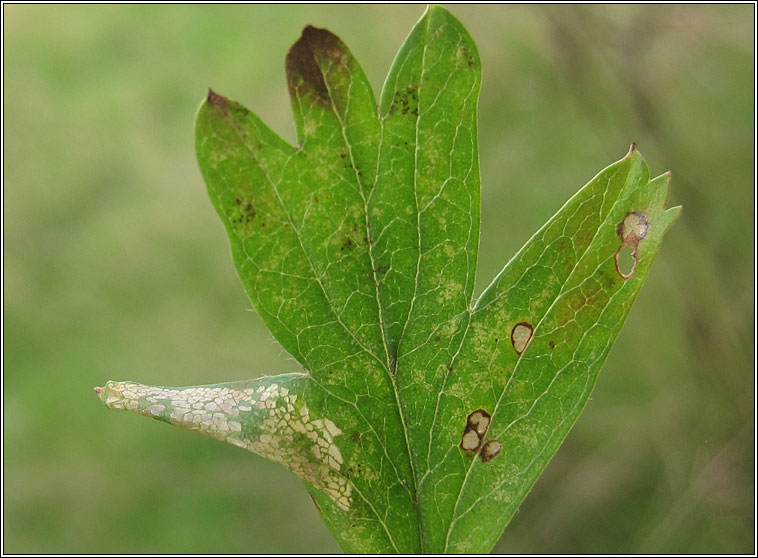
[387,365]
[390,361]
[413,495]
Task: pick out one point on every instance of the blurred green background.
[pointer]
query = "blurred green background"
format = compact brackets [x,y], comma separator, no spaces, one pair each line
[116,267]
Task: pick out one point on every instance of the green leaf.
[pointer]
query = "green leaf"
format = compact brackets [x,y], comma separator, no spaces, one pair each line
[422,416]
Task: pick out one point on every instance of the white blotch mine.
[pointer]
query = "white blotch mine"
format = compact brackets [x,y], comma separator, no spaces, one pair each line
[266,420]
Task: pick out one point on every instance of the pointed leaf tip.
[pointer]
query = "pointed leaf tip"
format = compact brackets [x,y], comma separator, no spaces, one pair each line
[218,101]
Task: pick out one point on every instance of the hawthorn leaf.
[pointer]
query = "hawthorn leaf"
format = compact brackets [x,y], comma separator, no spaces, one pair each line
[422,416]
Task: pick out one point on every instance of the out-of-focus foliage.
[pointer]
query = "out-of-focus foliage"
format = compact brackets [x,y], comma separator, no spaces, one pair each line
[112,266]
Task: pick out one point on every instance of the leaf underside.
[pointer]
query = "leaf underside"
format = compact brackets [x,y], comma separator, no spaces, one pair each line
[423,416]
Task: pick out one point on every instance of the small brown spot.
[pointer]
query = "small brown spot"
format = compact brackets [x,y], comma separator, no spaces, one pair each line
[347,244]
[490,449]
[552,344]
[521,334]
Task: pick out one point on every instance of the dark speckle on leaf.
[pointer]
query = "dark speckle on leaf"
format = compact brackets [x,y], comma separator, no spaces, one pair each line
[347,244]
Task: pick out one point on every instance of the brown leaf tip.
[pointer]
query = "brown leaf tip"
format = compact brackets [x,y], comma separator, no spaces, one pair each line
[98,390]
[632,148]
[302,65]
[218,101]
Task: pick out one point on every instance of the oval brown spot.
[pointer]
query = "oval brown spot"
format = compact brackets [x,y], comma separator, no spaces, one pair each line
[520,336]
[490,450]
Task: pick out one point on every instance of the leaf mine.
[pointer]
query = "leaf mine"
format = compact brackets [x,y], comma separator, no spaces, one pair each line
[470,441]
[264,419]
[479,420]
[477,424]
[631,230]
[520,336]
[490,450]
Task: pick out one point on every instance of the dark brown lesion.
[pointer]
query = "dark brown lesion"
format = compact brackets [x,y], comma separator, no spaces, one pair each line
[303,71]
[218,101]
